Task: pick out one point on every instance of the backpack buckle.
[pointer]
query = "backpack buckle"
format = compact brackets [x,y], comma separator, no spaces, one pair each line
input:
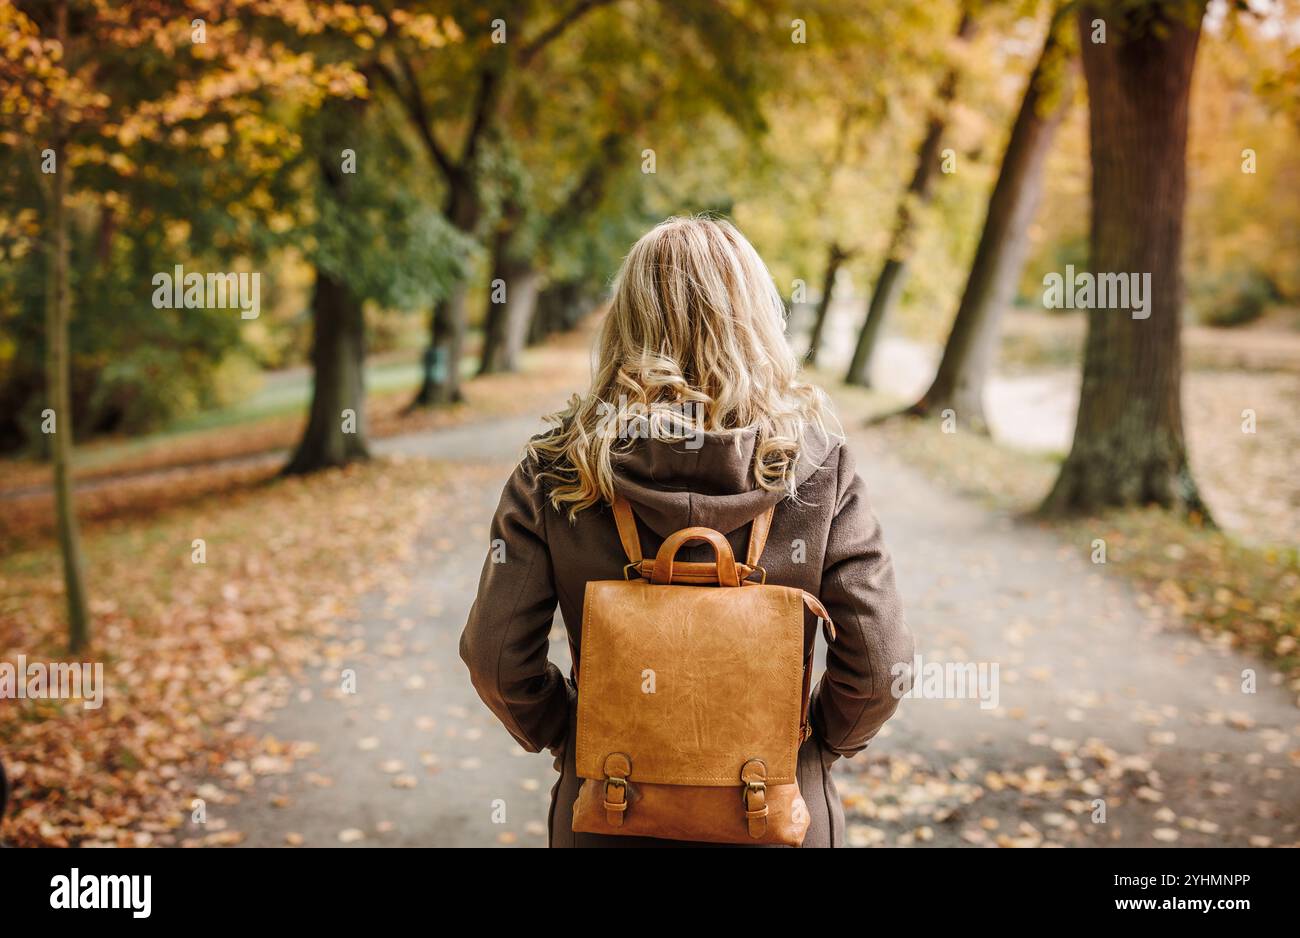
[617,768]
[754,797]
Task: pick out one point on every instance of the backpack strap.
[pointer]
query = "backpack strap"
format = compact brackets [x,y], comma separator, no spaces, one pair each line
[758,537]
[627,533]
[625,519]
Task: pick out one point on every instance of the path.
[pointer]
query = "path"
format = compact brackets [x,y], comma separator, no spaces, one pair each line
[415,720]
[1178,753]
[1101,696]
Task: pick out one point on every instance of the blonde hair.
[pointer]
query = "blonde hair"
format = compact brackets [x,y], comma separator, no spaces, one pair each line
[694,340]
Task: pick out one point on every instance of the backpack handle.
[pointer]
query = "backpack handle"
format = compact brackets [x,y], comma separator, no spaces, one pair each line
[726,560]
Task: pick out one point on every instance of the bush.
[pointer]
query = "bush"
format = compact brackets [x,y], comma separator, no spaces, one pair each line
[1232,298]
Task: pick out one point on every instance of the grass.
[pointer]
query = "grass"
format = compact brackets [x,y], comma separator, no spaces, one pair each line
[283,397]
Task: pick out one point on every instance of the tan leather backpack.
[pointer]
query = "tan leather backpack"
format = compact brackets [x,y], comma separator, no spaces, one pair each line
[693,695]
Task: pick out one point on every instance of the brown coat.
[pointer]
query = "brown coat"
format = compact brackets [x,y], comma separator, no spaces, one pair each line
[828,542]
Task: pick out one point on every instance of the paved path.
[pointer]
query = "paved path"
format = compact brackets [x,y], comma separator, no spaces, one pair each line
[1098,699]
[1102,695]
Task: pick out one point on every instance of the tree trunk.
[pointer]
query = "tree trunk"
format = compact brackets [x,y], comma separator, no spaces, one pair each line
[336,426]
[441,363]
[968,354]
[560,306]
[1128,441]
[893,274]
[525,286]
[507,324]
[547,317]
[494,321]
[58,310]
[835,258]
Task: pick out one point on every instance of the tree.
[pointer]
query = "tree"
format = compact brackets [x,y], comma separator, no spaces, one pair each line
[513,292]
[836,255]
[472,86]
[175,132]
[58,308]
[377,237]
[1128,444]
[893,273]
[968,353]
[336,423]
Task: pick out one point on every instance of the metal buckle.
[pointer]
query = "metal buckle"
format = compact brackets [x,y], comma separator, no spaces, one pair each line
[753,788]
[627,567]
[762,570]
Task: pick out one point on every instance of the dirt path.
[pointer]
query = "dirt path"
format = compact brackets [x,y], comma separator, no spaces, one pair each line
[412,758]
[1099,699]
[1102,697]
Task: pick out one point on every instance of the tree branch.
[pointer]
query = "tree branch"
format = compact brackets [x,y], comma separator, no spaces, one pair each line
[485,99]
[413,101]
[556,29]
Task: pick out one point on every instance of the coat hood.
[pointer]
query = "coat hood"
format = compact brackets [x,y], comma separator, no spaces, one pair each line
[707,480]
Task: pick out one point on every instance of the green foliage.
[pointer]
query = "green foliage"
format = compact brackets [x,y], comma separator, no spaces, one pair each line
[1231,297]
[388,246]
[803,143]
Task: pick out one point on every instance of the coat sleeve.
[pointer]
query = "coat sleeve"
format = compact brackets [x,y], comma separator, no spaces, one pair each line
[506,639]
[861,687]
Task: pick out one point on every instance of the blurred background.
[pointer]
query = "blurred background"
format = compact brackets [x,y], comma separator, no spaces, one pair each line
[414,212]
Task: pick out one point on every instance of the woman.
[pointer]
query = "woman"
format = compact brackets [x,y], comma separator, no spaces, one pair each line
[695,416]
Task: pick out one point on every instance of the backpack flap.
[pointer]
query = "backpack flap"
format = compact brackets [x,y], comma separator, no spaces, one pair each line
[691,683]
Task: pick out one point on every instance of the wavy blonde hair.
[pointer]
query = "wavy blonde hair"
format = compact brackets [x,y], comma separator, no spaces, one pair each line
[694,340]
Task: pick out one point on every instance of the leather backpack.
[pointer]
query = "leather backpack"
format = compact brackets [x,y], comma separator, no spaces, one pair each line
[693,695]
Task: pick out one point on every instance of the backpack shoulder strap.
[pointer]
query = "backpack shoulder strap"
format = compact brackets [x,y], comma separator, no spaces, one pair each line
[627,533]
[625,519]
[758,537]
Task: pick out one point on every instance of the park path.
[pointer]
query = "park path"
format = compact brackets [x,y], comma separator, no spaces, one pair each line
[1101,698]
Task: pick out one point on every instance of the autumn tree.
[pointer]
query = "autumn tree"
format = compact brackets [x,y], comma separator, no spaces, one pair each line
[893,272]
[376,237]
[58,309]
[452,93]
[1129,446]
[967,355]
[119,115]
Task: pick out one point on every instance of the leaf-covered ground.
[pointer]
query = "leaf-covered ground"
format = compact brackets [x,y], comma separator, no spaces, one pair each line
[1119,684]
[196,655]
[1160,686]
[1128,711]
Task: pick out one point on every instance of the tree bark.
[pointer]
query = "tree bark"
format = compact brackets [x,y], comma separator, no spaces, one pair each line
[58,310]
[969,352]
[893,273]
[440,383]
[1128,445]
[835,258]
[333,436]
[525,286]
[560,306]
[507,323]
